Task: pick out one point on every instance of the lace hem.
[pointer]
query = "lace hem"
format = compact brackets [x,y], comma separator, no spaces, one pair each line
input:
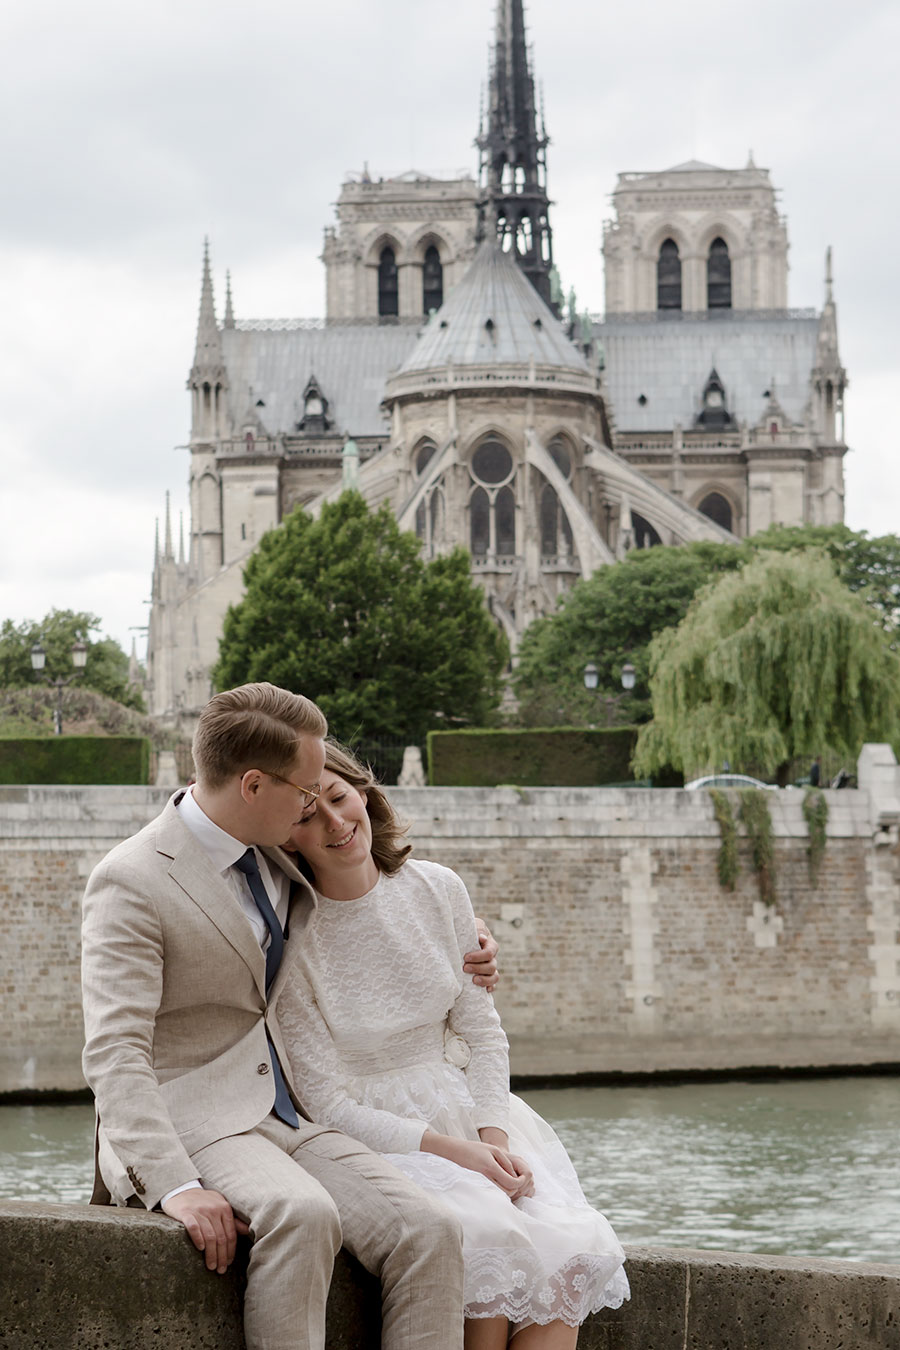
[507,1283]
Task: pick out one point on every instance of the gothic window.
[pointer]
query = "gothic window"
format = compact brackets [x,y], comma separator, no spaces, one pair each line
[492,463]
[479,523]
[420,520]
[432,280]
[315,409]
[559,453]
[436,515]
[717,508]
[549,522]
[714,412]
[644,534]
[505,522]
[424,456]
[388,293]
[718,276]
[568,542]
[668,276]
[556,532]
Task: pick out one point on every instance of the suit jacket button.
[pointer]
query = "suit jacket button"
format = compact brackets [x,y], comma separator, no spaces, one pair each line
[262,1068]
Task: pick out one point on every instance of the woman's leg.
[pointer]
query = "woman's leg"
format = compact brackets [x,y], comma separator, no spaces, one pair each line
[486,1333]
[554,1336]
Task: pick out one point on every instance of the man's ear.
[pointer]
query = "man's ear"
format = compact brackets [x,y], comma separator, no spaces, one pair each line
[251,782]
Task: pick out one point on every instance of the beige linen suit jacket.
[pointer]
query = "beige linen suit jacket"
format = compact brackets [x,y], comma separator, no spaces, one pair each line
[175,1008]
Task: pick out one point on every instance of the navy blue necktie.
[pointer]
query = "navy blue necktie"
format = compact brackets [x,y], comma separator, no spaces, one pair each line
[284,1107]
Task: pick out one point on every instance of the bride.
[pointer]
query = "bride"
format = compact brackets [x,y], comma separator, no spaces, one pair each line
[415,1065]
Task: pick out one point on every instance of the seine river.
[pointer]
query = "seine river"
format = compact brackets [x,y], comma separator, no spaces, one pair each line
[806,1167]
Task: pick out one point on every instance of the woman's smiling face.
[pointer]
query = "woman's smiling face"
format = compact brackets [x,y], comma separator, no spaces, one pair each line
[337,837]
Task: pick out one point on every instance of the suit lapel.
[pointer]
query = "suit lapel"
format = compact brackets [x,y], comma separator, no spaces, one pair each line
[300,906]
[192,870]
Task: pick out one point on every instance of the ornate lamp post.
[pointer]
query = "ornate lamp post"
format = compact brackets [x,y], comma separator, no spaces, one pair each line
[38,661]
[610,701]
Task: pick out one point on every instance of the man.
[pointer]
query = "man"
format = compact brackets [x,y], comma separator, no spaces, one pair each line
[186,942]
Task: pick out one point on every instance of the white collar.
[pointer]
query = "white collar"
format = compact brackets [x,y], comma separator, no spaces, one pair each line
[222,847]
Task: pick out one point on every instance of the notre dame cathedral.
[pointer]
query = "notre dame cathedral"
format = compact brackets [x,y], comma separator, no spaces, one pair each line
[445,379]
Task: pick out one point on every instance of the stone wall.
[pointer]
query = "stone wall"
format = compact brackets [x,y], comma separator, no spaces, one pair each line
[81,1278]
[620,951]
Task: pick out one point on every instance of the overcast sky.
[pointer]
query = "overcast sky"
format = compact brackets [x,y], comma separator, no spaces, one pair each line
[130,131]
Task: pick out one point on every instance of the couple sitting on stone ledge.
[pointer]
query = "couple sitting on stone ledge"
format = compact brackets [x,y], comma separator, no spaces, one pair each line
[268,979]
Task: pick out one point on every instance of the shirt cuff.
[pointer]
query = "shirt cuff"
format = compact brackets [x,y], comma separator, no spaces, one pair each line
[188,1186]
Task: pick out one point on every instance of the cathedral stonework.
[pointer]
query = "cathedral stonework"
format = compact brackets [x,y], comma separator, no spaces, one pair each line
[442,381]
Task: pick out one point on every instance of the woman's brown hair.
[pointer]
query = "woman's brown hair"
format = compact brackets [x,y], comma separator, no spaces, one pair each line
[388,850]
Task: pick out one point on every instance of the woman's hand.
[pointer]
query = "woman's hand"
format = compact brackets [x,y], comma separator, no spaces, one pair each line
[492,1161]
[490,1134]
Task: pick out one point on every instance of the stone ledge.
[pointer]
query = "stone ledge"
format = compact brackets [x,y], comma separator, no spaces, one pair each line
[76,1277]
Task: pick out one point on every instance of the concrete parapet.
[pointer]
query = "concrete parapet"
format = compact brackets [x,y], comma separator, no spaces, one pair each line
[83,1278]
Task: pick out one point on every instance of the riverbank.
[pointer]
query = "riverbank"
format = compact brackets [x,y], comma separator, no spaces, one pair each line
[621,952]
[77,1277]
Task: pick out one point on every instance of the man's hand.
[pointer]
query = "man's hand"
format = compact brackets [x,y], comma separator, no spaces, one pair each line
[482,965]
[210,1223]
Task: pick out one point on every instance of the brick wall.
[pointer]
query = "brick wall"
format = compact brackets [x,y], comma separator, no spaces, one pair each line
[620,951]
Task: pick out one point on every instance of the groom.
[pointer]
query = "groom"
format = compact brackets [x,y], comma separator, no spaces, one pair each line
[189,929]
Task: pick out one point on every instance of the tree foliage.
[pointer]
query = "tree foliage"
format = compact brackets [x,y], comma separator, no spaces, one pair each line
[344,609]
[870,567]
[106,668]
[775,661]
[610,619]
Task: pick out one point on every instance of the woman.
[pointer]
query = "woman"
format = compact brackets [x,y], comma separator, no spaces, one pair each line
[417,1068]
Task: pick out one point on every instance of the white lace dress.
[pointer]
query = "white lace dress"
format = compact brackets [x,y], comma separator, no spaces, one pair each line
[387,1037]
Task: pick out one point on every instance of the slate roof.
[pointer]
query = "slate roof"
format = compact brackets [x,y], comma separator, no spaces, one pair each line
[668,361]
[494,315]
[350,362]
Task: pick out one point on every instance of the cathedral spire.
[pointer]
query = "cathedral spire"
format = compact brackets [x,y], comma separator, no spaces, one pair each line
[168,547]
[207,379]
[228,321]
[208,351]
[513,170]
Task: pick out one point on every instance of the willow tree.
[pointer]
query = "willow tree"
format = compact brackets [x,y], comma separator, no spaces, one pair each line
[773,662]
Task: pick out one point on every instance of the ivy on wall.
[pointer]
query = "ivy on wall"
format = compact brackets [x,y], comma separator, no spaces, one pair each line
[755,817]
[728,865]
[753,814]
[815,813]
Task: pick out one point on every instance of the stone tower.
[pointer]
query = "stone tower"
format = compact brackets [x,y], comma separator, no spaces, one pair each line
[513,200]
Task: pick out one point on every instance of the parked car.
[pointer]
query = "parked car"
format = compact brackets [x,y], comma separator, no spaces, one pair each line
[729,780]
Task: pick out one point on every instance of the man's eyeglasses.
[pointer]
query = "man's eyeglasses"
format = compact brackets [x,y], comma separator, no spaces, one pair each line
[309,794]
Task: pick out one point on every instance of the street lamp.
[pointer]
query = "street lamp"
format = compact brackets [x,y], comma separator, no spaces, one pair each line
[610,701]
[39,660]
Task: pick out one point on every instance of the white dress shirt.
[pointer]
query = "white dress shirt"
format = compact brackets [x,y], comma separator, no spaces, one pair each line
[224,851]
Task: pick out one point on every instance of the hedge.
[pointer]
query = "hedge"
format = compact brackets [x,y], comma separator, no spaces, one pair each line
[556,757]
[115,760]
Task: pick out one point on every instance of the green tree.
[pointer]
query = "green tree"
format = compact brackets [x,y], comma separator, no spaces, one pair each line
[870,567]
[344,609]
[770,663]
[106,668]
[609,619]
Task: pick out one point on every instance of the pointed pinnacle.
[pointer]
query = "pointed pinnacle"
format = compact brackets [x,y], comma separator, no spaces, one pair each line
[829,296]
[168,550]
[229,307]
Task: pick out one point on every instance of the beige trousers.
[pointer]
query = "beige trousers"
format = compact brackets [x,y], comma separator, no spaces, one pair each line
[304,1192]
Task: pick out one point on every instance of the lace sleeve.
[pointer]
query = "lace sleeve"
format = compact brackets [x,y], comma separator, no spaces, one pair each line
[321,1081]
[474,1018]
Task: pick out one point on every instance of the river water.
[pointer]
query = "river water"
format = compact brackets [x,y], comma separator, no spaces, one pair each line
[807,1167]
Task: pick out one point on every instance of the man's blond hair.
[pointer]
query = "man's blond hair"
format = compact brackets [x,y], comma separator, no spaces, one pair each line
[256,726]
